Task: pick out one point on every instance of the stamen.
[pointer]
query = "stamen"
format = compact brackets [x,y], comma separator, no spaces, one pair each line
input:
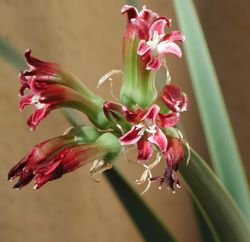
[67,131]
[120,127]
[189,150]
[168,77]
[108,77]
[147,175]
[36,101]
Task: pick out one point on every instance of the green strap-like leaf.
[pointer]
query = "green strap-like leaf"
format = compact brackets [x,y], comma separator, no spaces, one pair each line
[219,135]
[218,208]
[135,3]
[146,221]
[10,54]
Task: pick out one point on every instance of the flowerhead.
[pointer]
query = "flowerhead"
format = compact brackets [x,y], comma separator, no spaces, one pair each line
[138,119]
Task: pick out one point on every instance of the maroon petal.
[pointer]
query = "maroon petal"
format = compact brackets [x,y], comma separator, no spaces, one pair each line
[174,153]
[147,14]
[37,116]
[145,149]
[141,27]
[154,64]
[167,47]
[131,137]
[111,108]
[131,12]
[168,120]
[54,172]
[143,48]
[34,63]
[174,36]
[25,100]
[157,26]
[176,100]
[24,179]
[152,113]
[159,139]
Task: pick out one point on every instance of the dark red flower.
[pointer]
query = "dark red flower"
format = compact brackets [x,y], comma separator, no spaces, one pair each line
[50,88]
[146,128]
[173,156]
[53,158]
[176,100]
[158,44]
[38,157]
[47,97]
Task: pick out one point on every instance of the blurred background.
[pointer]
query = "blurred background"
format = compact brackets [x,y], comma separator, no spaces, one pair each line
[86,37]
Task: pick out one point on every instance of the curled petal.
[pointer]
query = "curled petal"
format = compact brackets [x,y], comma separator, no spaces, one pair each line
[34,64]
[111,108]
[141,27]
[176,100]
[169,178]
[26,100]
[24,179]
[131,12]
[147,14]
[145,149]
[174,36]
[24,83]
[152,113]
[37,116]
[174,153]
[54,172]
[131,137]
[154,64]
[157,26]
[167,47]
[143,48]
[168,120]
[159,139]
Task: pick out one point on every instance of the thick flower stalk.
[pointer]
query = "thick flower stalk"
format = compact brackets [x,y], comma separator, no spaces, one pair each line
[143,117]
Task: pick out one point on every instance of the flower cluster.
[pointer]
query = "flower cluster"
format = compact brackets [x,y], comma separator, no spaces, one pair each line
[143,117]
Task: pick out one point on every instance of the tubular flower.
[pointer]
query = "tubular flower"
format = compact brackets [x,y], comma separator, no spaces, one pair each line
[47,72]
[51,88]
[52,159]
[154,48]
[146,130]
[173,155]
[175,100]
[139,21]
[136,78]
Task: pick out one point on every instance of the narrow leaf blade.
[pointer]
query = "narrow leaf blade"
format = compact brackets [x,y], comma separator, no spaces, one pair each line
[146,221]
[10,54]
[219,134]
[218,208]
